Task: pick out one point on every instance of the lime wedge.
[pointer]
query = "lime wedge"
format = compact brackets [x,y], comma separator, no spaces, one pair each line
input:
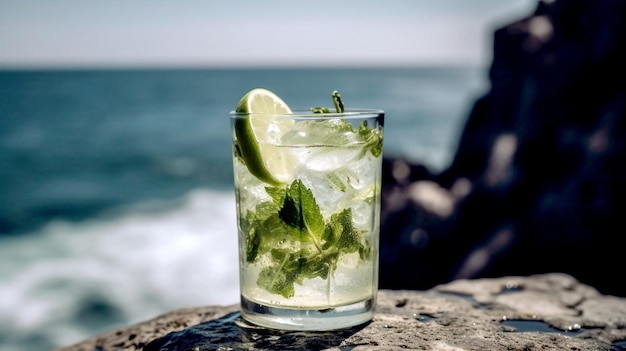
[258,133]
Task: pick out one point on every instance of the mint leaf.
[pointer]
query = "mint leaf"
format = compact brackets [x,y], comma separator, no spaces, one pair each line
[268,234]
[277,194]
[279,278]
[348,238]
[248,226]
[289,268]
[334,179]
[319,265]
[373,139]
[300,211]
[365,251]
[253,225]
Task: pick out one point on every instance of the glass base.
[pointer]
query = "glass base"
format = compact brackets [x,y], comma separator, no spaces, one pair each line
[310,320]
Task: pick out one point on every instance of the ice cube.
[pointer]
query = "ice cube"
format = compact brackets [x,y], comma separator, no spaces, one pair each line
[331,132]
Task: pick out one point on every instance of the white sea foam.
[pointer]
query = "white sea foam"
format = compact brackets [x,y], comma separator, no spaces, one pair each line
[70,280]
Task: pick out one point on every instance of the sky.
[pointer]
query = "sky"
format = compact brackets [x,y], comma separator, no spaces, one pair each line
[144,33]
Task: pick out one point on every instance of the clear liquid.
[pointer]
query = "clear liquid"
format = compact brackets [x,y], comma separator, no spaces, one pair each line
[347,285]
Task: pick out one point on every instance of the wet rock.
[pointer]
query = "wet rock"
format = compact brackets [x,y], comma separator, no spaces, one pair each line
[542,312]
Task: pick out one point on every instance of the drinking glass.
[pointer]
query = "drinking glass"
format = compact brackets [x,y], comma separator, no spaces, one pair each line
[309,238]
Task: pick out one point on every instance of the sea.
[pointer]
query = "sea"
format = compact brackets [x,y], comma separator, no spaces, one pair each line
[116,191]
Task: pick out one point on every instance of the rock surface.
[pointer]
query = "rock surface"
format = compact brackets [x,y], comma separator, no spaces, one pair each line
[541,312]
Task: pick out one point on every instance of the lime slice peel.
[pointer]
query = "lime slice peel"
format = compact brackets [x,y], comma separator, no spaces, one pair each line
[253,132]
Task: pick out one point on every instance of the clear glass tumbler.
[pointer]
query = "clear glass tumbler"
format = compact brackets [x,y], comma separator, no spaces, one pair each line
[309,234]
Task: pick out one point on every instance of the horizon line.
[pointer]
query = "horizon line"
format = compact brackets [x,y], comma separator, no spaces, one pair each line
[127,66]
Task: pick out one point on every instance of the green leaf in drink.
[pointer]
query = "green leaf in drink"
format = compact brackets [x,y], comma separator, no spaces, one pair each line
[301,212]
[300,244]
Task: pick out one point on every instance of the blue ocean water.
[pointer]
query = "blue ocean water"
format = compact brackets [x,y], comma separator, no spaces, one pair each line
[116,200]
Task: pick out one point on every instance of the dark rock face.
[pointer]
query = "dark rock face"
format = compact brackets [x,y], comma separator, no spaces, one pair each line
[540,172]
[544,312]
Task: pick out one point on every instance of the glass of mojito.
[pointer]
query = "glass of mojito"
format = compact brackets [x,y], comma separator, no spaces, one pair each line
[307,185]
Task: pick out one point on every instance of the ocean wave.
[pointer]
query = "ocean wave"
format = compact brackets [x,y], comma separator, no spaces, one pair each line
[70,280]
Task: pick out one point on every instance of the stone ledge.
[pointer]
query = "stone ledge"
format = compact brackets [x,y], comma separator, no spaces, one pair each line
[540,312]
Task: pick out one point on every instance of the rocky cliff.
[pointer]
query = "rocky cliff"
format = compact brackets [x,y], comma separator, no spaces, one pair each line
[537,179]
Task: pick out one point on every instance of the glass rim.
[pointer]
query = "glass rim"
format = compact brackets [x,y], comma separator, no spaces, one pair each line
[349,113]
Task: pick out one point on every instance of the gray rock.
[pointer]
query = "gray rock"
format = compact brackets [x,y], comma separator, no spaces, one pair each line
[541,312]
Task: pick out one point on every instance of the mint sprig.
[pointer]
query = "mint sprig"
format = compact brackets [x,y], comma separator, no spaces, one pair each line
[337,101]
[299,242]
[373,136]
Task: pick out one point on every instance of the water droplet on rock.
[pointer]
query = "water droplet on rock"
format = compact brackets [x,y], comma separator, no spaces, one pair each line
[423,317]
